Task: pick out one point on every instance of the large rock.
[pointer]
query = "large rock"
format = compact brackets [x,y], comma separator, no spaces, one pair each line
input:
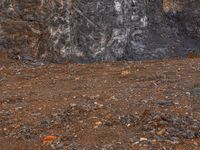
[99,30]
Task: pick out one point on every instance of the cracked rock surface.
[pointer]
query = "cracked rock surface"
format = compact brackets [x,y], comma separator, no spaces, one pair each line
[99,30]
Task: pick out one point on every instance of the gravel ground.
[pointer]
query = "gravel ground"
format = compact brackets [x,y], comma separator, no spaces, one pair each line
[105,106]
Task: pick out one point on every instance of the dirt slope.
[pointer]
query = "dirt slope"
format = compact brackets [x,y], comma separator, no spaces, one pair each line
[122,105]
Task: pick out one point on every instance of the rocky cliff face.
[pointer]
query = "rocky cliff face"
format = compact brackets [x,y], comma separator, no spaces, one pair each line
[99,30]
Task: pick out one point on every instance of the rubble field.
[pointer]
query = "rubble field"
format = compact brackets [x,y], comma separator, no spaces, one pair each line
[103,106]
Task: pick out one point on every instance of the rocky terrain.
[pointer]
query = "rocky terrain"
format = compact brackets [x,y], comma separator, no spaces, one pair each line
[105,106]
[118,96]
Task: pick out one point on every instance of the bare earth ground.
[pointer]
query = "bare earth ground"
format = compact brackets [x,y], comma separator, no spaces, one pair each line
[107,106]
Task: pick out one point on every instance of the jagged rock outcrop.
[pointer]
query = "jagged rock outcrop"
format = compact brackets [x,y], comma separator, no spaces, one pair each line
[99,30]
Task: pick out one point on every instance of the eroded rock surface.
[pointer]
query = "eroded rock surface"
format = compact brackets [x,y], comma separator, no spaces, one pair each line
[86,31]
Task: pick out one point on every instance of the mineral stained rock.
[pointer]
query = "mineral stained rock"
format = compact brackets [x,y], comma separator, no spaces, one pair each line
[99,30]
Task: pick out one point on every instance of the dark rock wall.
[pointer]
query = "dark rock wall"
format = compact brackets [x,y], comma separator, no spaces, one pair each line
[99,30]
[108,30]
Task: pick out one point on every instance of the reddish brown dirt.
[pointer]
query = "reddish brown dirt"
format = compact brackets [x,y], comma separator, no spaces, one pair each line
[121,105]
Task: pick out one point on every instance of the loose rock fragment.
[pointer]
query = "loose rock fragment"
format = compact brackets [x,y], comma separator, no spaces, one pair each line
[165,103]
[125,73]
[47,140]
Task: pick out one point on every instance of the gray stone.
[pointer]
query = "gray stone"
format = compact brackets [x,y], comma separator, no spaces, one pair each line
[196,91]
[165,102]
[195,99]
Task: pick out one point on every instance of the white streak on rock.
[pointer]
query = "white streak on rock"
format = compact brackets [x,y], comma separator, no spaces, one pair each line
[144,21]
[118,6]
